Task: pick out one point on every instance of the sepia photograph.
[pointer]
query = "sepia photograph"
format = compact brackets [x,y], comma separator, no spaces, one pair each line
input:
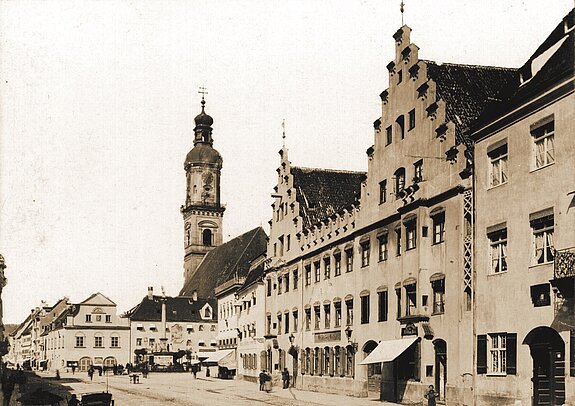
[263,202]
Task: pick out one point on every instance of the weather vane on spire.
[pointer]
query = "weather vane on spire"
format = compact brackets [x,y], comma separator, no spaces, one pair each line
[401,10]
[284,132]
[203,91]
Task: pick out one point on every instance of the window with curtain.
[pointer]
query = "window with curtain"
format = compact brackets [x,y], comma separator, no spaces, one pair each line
[498,243]
[543,250]
[544,145]
[498,166]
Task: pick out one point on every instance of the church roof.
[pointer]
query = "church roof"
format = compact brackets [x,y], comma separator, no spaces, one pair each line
[323,192]
[178,309]
[468,89]
[226,261]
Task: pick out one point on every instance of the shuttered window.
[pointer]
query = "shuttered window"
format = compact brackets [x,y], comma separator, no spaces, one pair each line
[482,354]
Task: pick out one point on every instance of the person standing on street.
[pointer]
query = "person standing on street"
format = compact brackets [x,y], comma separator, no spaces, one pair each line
[263,378]
[91,372]
[285,378]
[430,395]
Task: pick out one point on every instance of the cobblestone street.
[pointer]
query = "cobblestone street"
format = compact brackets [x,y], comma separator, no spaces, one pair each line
[183,389]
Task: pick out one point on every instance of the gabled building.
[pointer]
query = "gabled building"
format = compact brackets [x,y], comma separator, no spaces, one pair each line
[369,279]
[84,334]
[163,325]
[525,233]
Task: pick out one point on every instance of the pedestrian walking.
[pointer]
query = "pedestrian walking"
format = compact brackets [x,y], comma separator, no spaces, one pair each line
[195,371]
[91,372]
[431,395]
[285,378]
[268,383]
[73,369]
[263,376]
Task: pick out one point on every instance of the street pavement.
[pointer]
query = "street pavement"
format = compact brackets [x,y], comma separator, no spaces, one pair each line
[183,389]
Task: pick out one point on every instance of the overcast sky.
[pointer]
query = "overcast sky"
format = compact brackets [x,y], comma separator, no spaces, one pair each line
[97,100]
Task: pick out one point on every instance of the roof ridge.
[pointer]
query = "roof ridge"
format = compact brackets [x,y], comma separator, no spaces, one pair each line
[465,65]
[306,168]
[244,251]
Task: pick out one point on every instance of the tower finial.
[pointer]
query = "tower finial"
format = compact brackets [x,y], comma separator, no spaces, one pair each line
[203,91]
[284,132]
[401,8]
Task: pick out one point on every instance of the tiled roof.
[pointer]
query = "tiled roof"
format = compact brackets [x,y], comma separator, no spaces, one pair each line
[468,89]
[178,309]
[323,192]
[230,259]
[540,74]
[254,275]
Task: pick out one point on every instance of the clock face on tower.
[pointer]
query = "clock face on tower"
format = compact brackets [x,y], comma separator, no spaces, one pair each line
[208,178]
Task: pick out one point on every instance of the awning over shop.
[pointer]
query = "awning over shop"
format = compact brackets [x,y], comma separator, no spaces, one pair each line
[224,358]
[387,351]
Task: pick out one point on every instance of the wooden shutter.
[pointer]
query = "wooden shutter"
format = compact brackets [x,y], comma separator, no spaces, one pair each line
[482,354]
[572,354]
[511,351]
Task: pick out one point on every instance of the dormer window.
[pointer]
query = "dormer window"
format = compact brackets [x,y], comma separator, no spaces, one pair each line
[208,312]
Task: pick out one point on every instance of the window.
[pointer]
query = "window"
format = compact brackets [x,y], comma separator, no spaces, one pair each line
[295,320]
[79,341]
[411,234]
[295,279]
[98,317]
[280,280]
[269,287]
[337,308]
[308,275]
[317,271]
[349,314]
[411,294]
[286,279]
[438,287]
[208,312]
[364,309]
[286,317]
[152,342]
[279,324]
[398,295]
[400,125]
[382,247]
[382,306]
[281,245]
[268,324]
[438,227]
[337,265]
[543,144]
[207,237]
[411,120]
[542,239]
[307,319]
[349,361]
[317,315]
[399,76]
[365,253]
[288,242]
[388,135]
[498,241]
[399,183]
[108,318]
[115,342]
[382,191]
[349,257]
[327,315]
[418,171]
[98,342]
[138,342]
[498,166]
[398,241]
[540,295]
[497,353]
[88,318]
[326,268]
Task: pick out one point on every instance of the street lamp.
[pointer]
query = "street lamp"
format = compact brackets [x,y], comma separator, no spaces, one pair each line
[291,338]
[348,332]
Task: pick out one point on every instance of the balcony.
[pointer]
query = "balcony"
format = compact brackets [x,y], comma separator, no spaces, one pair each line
[564,263]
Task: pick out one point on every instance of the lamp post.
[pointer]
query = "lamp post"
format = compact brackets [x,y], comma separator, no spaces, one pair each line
[348,333]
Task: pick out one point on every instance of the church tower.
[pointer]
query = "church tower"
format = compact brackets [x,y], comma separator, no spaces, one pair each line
[203,213]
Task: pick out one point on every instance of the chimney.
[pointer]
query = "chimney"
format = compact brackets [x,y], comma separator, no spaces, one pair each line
[150,292]
[195,295]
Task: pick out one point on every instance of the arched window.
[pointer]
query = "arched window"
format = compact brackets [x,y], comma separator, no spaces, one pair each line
[399,182]
[207,237]
[208,312]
